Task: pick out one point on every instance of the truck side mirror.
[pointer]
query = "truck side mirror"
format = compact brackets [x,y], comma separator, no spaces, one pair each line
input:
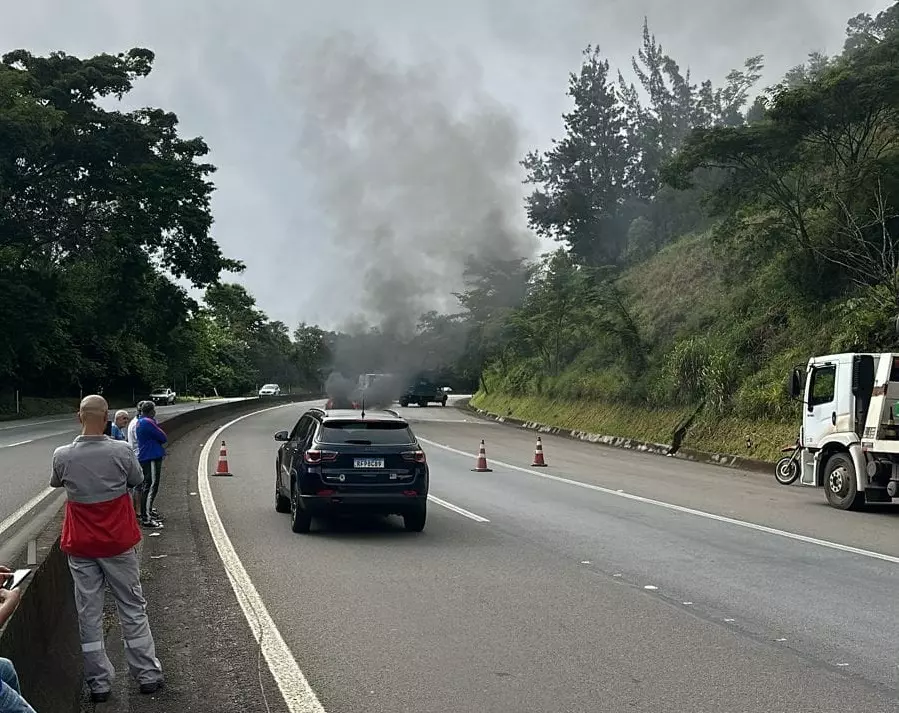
[794,384]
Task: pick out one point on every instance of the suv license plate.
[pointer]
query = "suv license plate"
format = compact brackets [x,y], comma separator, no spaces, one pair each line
[368,463]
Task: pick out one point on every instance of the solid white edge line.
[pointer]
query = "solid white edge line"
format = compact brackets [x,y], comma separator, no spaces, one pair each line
[26,508]
[298,694]
[456,509]
[680,508]
[21,443]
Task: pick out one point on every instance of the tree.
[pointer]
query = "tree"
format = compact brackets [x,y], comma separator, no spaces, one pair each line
[864,31]
[582,182]
[88,173]
[556,314]
[98,208]
[313,353]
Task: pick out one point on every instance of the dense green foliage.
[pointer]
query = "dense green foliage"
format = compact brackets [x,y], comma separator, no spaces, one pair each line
[101,211]
[710,237]
[709,241]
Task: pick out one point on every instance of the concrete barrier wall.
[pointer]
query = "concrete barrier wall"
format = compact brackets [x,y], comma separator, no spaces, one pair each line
[41,638]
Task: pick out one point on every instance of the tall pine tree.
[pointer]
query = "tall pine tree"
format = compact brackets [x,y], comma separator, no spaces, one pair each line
[584,180]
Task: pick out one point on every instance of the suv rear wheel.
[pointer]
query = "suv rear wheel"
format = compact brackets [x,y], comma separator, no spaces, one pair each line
[414,519]
[282,504]
[300,520]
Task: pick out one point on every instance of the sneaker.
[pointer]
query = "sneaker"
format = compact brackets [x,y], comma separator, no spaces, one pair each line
[148,688]
[154,513]
[100,696]
[151,524]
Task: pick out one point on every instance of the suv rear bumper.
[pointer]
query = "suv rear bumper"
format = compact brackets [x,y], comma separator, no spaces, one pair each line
[387,503]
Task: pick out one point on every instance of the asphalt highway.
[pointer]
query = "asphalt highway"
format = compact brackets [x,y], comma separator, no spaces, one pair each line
[609,581]
[26,447]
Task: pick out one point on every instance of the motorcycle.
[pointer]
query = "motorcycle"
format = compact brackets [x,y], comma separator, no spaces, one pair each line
[786,471]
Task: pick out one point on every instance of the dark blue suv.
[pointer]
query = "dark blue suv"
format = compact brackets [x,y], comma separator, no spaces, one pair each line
[349,461]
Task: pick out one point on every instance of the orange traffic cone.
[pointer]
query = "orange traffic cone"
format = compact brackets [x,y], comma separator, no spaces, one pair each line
[538,455]
[481,465]
[222,468]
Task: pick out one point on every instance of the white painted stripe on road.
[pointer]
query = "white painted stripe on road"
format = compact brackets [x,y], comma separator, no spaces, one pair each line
[456,509]
[298,694]
[37,423]
[680,508]
[17,443]
[25,509]
[38,438]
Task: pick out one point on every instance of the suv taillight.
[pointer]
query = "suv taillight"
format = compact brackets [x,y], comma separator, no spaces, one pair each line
[417,456]
[315,456]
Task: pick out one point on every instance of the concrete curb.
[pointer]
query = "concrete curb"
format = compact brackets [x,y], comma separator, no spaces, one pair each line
[632,444]
[41,638]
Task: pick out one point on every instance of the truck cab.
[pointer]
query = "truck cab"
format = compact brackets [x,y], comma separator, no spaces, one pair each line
[849,435]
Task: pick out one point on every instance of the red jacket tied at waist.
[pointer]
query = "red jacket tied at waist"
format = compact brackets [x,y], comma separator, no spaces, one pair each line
[104,529]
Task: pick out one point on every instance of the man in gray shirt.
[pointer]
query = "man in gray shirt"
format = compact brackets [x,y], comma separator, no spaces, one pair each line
[99,535]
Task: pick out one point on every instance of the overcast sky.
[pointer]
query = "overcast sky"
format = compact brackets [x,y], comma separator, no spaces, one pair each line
[374,144]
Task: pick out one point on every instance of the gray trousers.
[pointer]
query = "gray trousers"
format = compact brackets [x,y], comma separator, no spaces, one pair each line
[122,574]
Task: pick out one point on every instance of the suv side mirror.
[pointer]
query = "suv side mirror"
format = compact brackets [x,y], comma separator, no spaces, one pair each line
[282,436]
[795,384]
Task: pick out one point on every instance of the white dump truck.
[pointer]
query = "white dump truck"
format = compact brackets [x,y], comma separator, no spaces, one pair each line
[850,433]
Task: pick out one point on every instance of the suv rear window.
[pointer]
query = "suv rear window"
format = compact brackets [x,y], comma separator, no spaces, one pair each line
[384,433]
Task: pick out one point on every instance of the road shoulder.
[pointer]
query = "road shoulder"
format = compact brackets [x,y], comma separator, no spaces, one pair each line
[209,656]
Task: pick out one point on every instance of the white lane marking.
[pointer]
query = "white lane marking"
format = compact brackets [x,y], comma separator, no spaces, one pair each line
[297,693]
[651,587]
[26,508]
[37,423]
[455,508]
[38,438]
[680,508]
[17,443]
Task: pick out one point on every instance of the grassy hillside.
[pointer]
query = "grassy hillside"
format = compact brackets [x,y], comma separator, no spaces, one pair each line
[724,256]
[684,294]
[727,435]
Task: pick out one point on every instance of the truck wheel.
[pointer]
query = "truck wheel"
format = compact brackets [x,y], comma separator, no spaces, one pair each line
[443,403]
[423,403]
[404,403]
[840,485]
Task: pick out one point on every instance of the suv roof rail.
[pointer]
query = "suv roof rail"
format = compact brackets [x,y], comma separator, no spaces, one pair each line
[390,410]
[317,409]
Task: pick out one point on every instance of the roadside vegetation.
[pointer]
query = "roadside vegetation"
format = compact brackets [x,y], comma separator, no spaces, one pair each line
[102,211]
[710,239]
[711,236]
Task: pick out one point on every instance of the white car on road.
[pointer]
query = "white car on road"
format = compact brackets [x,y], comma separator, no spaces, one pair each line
[270,390]
[163,396]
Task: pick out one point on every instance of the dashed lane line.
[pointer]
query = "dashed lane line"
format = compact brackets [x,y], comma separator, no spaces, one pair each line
[679,508]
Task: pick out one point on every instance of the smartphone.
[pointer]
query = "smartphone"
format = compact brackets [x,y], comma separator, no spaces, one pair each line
[16,579]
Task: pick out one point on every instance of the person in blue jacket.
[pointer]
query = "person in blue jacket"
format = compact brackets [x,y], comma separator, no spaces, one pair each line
[151,440]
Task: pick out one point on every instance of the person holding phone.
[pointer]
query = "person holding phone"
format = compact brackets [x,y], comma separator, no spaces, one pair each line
[11,700]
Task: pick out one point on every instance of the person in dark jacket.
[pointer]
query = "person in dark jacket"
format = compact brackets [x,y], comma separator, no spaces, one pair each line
[99,535]
[151,440]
